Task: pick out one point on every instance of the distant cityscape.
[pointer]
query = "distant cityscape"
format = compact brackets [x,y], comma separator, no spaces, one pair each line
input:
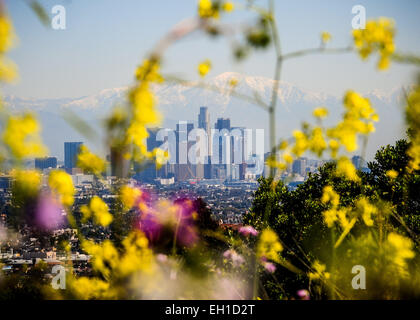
[227,158]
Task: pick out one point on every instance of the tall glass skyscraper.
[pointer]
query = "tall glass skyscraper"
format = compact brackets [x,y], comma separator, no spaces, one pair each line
[71,151]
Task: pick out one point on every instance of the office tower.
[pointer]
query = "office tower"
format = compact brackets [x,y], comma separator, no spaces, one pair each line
[204,123]
[184,169]
[223,123]
[224,142]
[45,163]
[71,151]
[299,166]
[204,119]
[358,162]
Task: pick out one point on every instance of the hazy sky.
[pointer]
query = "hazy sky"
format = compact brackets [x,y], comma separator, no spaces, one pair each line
[106,39]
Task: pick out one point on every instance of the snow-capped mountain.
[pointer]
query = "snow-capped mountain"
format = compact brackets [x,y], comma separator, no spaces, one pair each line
[182,102]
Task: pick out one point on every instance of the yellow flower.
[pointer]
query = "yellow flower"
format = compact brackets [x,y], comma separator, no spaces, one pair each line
[377,36]
[105,257]
[317,143]
[330,196]
[358,119]
[346,169]
[366,210]
[301,143]
[143,111]
[269,245]
[161,157]
[129,196]
[288,158]
[90,162]
[91,288]
[8,70]
[412,112]
[7,34]
[320,112]
[207,9]
[319,272]
[233,82]
[334,147]
[204,68]
[26,182]
[392,174]
[21,135]
[330,217]
[149,72]
[228,6]
[325,37]
[400,249]
[98,210]
[61,183]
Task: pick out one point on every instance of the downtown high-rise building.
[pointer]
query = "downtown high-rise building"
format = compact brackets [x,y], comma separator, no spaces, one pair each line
[203,169]
[71,151]
[45,163]
[184,169]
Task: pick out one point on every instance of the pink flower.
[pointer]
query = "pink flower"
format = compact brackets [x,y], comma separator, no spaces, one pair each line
[248,230]
[233,256]
[161,220]
[303,294]
[269,267]
[49,213]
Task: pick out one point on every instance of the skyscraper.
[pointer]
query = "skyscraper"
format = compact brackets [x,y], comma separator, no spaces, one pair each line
[45,163]
[223,147]
[71,151]
[202,170]
[204,119]
[299,166]
[358,162]
[185,170]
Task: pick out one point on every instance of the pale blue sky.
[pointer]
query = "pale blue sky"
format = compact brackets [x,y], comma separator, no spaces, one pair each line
[106,39]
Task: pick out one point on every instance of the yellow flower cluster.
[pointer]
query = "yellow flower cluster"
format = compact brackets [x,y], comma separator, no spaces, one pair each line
[345,168]
[90,162]
[358,119]
[98,210]
[366,210]
[211,9]
[412,112]
[136,256]
[144,113]
[128,196]
[204,68]
[21,135]
[400,249]
[320,112]
[8,70]
[333,214]
[26,182]
[319,272]
[269,246]
[392,174]
[329,196]
[377,36]
[325,37]
[90,288]
[161,157]
[61,184]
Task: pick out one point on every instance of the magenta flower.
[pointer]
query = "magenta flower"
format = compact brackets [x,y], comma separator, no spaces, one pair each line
[49,213]
[269,267]
[160,219]
[186,216]
[248,230]
[303,294]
